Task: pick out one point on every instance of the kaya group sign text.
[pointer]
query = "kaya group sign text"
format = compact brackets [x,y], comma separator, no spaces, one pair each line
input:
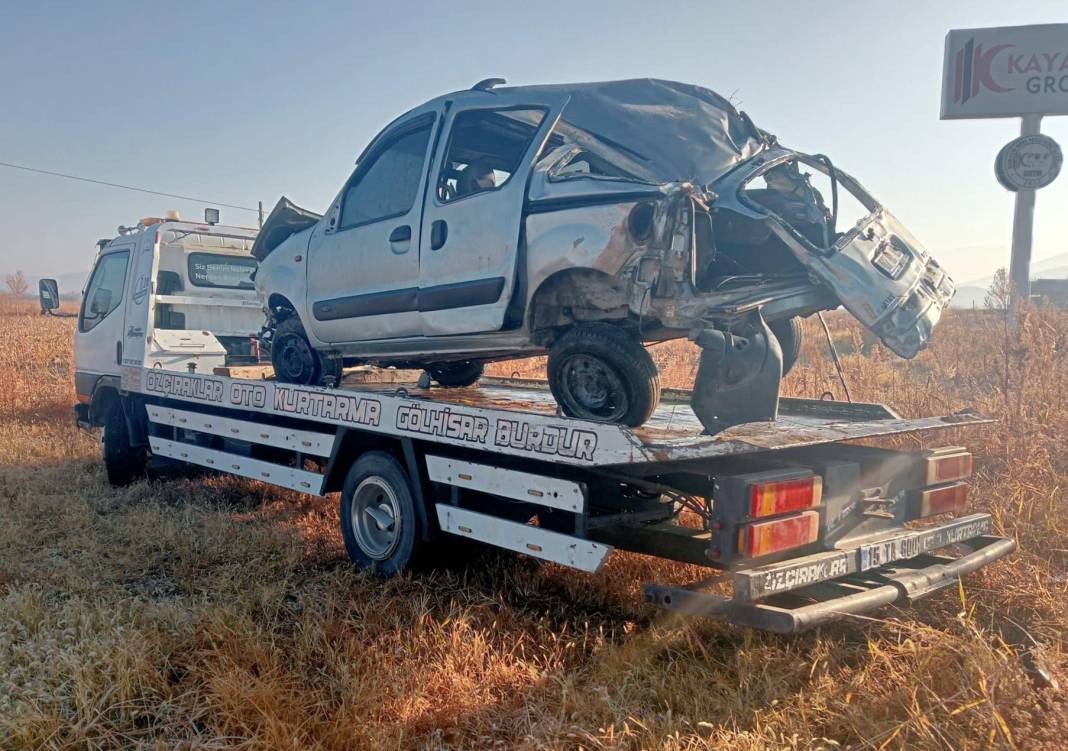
[1006,72]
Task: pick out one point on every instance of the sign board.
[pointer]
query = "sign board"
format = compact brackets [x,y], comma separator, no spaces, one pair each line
[1008,71]
[1028,163]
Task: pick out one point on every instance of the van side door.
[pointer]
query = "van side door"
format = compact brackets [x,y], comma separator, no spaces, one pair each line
[363,256]
[470,239]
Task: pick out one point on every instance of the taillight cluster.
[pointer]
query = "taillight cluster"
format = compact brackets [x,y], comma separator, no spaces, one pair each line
[779,512]
[944,492]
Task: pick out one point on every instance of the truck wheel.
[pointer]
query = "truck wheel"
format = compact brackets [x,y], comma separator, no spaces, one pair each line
[379,522]
[456,374]
[598,371]
[788,332]
[124,463]
[295,361]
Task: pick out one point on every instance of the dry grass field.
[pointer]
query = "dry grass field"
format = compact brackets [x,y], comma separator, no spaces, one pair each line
[212,612]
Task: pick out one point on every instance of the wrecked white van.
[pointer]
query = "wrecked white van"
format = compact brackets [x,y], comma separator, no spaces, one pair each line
[582,221]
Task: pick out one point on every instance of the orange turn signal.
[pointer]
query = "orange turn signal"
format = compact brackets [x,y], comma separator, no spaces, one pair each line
[764,538]
[950,498]
[783,496]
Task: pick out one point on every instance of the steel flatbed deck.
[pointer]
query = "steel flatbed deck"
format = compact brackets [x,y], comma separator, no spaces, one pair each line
[519,417]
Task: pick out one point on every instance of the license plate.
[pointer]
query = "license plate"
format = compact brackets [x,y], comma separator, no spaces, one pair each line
[876,554]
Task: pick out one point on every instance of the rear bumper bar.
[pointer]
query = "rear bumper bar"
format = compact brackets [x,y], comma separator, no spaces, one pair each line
[826,601]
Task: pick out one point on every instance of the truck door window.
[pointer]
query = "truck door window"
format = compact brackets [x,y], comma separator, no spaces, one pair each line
[385,186]
[485,149]
[104,292]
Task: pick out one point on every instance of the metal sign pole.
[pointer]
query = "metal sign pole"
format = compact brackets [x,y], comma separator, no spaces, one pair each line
[1023,225]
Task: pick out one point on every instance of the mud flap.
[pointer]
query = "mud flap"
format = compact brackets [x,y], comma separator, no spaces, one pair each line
[738,379]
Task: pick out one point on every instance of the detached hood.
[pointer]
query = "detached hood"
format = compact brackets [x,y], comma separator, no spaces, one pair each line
[285,219]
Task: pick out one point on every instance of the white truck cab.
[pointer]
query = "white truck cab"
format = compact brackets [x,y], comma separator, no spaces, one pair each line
[168,294]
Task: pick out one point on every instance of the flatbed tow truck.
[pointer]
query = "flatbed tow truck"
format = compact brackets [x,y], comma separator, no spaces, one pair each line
[805,525]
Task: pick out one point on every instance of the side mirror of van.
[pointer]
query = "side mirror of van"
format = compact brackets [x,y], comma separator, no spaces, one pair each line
[48,294]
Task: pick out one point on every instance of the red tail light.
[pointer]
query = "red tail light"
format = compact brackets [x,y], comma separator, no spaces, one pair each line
[764,538]
[949,498]
[948,465]
[254,347]
[782,496]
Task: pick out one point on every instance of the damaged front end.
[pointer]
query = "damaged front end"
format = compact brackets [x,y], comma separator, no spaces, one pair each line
[761,245]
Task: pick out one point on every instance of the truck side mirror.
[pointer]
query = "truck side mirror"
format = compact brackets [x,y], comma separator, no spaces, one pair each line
[100,305]
[48,294]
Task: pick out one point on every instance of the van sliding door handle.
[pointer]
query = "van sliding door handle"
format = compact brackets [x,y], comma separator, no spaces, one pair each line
[439,233]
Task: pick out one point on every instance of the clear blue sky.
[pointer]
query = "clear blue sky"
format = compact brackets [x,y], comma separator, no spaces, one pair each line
[244,101]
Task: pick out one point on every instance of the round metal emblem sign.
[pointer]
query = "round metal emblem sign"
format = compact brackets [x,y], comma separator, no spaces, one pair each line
[1028,163]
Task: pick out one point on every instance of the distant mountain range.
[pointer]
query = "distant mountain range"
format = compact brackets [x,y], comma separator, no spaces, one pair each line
[972,294]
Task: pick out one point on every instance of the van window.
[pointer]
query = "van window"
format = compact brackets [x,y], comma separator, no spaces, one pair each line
[485,149]
[386,187]
[222,271]
[104,292]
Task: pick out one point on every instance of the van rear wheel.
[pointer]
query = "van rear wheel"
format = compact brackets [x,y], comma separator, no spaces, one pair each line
[456,374]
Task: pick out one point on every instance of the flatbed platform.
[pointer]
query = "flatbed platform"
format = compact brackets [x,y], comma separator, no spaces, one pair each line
[519,417]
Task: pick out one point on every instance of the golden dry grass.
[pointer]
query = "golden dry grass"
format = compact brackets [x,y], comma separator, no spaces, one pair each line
[220,613]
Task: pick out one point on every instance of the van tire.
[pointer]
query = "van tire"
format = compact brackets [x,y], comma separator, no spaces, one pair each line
[124,462]
[379,521]
[295,360]
[598,371]
[789,333]
[456,374]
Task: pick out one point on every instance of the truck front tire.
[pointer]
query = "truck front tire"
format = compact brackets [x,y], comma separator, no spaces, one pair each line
[379,521]
[598,371]
[124,463]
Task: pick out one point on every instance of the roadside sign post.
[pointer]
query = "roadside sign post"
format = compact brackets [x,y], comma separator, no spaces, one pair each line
[1023,225]
[1012,71]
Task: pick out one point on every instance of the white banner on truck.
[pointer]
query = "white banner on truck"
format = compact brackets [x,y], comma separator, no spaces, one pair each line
[1007,71]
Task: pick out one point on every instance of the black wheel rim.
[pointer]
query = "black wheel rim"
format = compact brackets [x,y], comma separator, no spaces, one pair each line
[593,389]
[295,362]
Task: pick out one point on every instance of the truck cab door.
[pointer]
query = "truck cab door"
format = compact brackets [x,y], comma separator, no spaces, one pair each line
[98,343]
[469,244]
[363,255]
[139,305]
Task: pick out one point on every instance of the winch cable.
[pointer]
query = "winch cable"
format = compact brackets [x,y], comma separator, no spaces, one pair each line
[834,356]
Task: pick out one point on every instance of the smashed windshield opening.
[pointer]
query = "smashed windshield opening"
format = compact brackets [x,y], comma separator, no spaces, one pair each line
[813,198]
[574,152]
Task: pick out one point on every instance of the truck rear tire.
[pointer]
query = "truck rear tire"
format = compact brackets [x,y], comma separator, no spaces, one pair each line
[124,463]
[379,521]
[598,371]
[456,374]
[295,361]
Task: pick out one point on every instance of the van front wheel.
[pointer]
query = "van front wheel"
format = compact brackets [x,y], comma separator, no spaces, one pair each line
[598,371]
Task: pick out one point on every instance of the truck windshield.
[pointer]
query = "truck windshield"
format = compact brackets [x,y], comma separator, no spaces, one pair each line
[222,271]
